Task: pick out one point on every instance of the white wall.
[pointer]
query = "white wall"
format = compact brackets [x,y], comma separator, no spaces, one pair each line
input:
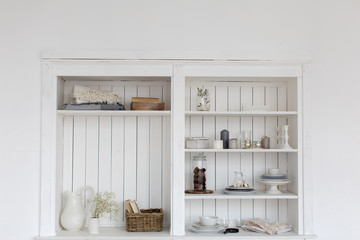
[329,29]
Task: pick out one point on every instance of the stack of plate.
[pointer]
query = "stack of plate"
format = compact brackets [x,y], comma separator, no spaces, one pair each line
[199,228]
[274,178]
[273,181]
[238,190]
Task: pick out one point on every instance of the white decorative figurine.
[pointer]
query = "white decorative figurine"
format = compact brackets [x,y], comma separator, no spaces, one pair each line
[283,137]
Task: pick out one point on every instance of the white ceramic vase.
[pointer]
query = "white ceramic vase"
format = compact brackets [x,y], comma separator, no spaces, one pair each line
[73,215]
[202,100]
[94,225]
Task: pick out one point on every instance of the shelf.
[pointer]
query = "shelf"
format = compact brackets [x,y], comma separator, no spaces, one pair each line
[113,113]
[242,150]
[246,235]
[241,113]
[117,233]
[256,195]
[109,233]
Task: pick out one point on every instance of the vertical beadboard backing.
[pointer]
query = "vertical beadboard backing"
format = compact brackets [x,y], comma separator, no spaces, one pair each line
[126,89]
[127,155]
[230,96]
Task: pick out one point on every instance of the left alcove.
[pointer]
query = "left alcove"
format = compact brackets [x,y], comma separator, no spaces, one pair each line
[126,152]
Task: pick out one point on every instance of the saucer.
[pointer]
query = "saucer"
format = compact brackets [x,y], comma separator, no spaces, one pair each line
[274,175]
[206,230]
[199,225]
[238,192]
[231,188]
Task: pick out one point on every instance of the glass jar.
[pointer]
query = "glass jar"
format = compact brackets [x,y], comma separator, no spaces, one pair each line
[199,166]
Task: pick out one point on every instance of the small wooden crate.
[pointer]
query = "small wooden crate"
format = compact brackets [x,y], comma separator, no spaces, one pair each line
[149,220]
[147,106]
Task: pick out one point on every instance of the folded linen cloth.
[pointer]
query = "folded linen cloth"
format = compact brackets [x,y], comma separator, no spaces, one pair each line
[265,226]
[82,94]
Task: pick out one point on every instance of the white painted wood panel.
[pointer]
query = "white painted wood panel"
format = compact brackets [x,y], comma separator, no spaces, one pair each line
[209,131]
[126,155]
[79,151]
[106,150]
[143,165]
[230,96]
[155,163]
[126,89]
[117,164]
[92,152]
[123,152]
[166,173]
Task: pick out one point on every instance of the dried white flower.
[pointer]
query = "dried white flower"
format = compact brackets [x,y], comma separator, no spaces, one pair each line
[103,203]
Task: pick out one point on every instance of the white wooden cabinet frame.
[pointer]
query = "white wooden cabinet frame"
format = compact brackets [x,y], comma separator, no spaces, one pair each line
[178,66]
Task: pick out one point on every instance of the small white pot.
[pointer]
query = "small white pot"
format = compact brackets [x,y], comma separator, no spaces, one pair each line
[94,225]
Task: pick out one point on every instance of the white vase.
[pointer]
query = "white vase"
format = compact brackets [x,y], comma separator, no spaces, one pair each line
[93,225]
[285,137]
[73,215]
[203,102]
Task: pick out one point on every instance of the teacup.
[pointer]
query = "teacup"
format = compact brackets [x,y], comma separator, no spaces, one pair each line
[274,171]
[208,220]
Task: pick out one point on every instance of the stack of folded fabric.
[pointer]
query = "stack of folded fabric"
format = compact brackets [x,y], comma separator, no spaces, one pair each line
[265,226]
[85,98]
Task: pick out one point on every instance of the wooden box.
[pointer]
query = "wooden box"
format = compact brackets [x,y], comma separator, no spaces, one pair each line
[147,106]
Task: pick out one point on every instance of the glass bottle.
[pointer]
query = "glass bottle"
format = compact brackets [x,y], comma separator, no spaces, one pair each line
[199,166]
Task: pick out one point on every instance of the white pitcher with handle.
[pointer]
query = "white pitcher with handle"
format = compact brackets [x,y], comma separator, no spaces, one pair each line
[73,215]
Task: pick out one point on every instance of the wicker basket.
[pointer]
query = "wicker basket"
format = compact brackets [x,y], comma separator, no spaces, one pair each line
[149,220]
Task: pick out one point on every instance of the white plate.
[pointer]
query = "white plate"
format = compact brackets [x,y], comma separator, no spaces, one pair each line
[217,230]
[272,182]
[239,188]
[199,225]
[274,175]
[238,192]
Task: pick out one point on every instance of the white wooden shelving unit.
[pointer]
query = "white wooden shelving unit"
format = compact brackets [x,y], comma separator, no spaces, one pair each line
[141,154]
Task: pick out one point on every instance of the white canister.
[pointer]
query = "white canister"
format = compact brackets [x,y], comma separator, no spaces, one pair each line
[197,143]
[233,143]
[94,225]
[218,144]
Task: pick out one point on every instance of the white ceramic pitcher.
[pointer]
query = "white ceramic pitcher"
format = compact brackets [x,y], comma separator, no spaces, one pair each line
[73,215]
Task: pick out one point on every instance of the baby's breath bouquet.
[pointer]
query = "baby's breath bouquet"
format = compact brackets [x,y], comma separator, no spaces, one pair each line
[103,203]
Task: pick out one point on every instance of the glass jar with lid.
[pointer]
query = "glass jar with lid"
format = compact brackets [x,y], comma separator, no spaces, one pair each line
[199,166]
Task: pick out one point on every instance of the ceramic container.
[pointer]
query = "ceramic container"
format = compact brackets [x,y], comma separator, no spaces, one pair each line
[73,215]
[265,142]
[208,220]
[274,171]
[202,100]
[199,166]
[233,143]
[197,143]
[94,225]
[218,144]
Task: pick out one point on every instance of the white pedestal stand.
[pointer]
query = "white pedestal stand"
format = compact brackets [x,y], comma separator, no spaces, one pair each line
[273,186]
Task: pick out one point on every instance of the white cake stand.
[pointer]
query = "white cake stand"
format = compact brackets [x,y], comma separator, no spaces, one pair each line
[273,186]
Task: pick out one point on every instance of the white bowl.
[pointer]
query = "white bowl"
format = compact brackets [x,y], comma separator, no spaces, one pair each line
[208,220]
[274,171]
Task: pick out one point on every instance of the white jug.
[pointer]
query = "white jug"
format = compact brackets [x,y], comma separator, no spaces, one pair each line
[73,215]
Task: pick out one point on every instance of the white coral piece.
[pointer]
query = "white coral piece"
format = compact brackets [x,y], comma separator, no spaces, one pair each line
[82,94]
